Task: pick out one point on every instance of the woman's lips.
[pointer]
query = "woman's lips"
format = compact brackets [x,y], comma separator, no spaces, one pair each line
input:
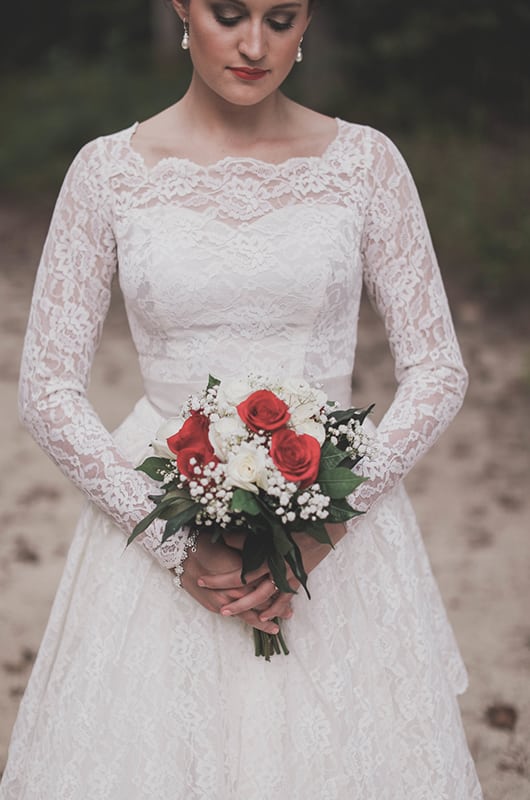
[248,74]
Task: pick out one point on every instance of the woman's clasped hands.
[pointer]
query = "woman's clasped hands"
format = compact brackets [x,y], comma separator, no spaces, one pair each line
[212,575]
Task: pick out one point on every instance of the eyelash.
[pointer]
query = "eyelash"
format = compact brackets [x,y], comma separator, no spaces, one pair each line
[230,22]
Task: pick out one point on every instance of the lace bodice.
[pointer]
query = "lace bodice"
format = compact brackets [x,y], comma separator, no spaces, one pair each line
[238,266]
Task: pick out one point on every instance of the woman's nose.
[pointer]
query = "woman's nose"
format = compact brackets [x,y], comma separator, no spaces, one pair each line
[253,45]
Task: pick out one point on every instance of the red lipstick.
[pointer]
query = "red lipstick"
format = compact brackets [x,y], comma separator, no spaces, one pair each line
[248,74]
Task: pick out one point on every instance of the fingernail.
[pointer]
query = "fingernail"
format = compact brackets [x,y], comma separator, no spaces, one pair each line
[275,630]
[200,582]
[264,619]
[226,612]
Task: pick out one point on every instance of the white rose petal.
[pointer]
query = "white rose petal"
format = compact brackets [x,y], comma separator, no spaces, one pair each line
[169,428]
[295,390]
[312,428]
[246,469]
[304,412]
[233,392]
[224,432]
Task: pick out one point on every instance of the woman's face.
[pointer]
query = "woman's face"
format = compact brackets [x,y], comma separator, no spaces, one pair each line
[244,49]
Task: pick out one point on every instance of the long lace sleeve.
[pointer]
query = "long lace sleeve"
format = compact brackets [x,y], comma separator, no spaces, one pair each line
[70,301]
[403,281]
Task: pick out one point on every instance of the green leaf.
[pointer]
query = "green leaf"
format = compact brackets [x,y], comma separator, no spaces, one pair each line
[281,540]
[338,482]
[350,462]
[344,416]
[362,413]
[253,554]
[358,480]
[156,467]
[341,511]
[330,456]
[246,502]
[279,573]
[178,505]
[179,520]
[217,534]
[296,563]
[317,531]
[143,524]
[212,382]
[157,498]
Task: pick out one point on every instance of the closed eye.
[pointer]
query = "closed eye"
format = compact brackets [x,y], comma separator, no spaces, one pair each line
[228,21]
[280,26]
[231,19]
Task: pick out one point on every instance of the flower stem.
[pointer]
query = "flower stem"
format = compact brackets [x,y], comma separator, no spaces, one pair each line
[280,640]
[257,642]
[269,644]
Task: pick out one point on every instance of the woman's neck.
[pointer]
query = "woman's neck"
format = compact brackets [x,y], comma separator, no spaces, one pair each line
[234,124]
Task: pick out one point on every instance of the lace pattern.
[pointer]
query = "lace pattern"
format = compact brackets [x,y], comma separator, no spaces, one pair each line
[302,234]
[139,692]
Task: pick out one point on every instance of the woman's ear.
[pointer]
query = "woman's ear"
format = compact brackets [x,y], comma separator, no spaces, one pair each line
[181,8]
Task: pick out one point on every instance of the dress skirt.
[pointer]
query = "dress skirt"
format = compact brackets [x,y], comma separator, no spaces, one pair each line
[139,693]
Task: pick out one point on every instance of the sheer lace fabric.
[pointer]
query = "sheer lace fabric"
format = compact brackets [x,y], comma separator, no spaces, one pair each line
[235,267]
[302,234]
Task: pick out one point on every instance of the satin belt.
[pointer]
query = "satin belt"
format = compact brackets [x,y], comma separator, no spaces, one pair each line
[168,398]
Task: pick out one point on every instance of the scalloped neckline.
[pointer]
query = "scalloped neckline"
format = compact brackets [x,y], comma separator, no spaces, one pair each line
[226,160]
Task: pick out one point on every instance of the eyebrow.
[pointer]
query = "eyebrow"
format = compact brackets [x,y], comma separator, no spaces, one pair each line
[277,7]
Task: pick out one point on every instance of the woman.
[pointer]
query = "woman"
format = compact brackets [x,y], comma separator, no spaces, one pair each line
[242,226]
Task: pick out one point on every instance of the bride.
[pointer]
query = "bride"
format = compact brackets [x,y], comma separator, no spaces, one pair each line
[242,227]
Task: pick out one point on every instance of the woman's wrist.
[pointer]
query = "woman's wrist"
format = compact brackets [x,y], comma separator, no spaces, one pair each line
[313,551]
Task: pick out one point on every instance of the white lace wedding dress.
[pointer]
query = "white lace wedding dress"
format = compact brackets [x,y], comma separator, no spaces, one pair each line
[138,693]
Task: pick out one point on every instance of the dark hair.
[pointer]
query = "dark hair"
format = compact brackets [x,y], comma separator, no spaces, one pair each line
[310,6]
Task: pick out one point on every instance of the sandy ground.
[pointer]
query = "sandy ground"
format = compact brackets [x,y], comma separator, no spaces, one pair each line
[471,493]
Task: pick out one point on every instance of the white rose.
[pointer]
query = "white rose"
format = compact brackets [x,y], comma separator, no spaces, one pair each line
[232,392]
[246,469]
[295,390]
[312,428]
[304,401]
[223,432]
[167,429]
[304,412]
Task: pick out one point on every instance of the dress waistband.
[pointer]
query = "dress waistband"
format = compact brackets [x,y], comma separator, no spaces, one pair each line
[168,398]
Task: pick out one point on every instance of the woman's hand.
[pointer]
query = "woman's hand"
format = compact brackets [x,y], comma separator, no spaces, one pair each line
[262,596]
[214,559]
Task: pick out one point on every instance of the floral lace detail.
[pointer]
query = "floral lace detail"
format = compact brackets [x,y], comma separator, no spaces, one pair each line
[241,257]
[138,691]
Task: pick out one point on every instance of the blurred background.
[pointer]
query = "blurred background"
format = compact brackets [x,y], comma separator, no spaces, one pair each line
[449,82]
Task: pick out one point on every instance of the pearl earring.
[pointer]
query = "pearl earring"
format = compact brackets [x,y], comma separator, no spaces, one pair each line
[299,54]
[185,43]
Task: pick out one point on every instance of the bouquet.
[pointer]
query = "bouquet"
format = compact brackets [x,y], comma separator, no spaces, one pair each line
[264,458]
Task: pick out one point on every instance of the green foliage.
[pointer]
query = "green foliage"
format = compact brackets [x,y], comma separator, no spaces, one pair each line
[245,502]
[338,482]
[330,456]
[47,116]
[447,81]
[475,194]
[466,61]
[156,467]
[33,31]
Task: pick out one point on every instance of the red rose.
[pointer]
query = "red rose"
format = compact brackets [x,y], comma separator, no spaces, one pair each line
[192,442]
[297,457]
[264,411]
[200,459]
